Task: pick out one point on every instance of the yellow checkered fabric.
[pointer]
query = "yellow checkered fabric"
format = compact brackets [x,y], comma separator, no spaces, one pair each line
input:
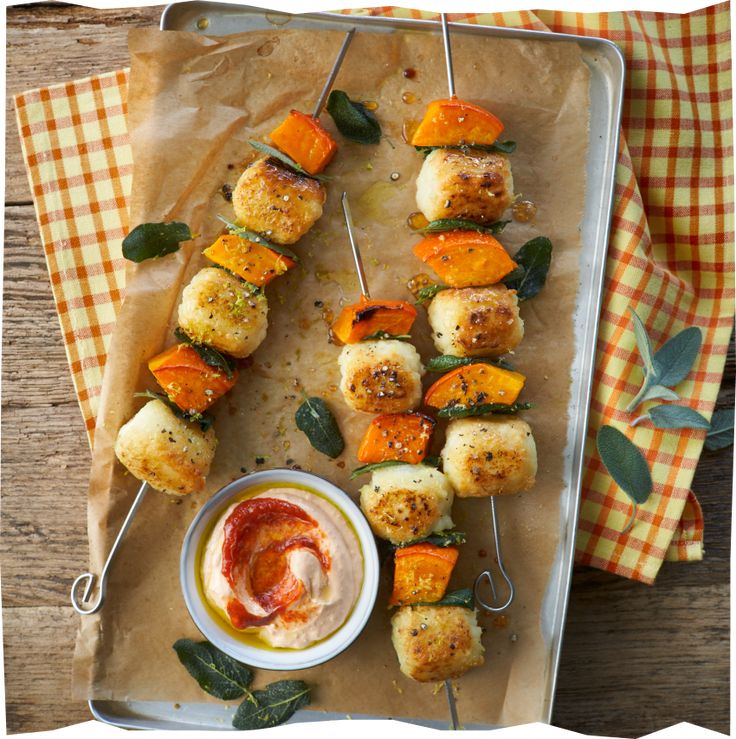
[671,252]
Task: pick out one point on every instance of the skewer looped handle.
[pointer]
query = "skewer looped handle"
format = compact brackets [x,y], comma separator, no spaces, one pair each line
[88,579]
[487,576]
[333,73]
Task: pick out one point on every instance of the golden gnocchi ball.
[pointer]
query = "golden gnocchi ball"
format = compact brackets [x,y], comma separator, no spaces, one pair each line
[221,311]
[474,184]
[489,456]
[169,453]
[476,321]
[275,201]
[435,643]
[381,376]
[407,502]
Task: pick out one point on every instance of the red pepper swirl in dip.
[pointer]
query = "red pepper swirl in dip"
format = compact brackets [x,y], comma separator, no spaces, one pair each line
[284,564]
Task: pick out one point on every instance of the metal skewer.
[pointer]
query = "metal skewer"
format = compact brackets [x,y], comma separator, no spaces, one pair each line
[455,721]
[448,55]
[486,575]
[89,578]
[333,73]
[354,246]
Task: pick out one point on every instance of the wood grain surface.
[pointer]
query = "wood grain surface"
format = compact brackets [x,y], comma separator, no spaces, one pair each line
[635,658]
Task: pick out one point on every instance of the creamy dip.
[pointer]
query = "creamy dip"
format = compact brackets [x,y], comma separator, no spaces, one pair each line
[285,565]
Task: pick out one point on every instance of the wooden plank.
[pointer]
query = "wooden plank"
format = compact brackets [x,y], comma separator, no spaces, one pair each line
[48,44]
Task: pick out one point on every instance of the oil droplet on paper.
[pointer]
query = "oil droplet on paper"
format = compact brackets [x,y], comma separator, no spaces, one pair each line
[266,49]
[408,97]
[417,220]
[523,211]
[203,23]
[370,104]
[408,129]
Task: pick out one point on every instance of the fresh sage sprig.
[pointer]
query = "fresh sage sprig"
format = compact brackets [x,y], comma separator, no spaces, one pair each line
[205,420]
[273,706]
[248,235]
[451,224]
[384,335]
[315,419]
[463,598]
[533,261]
[353,120]
[500,147]
[207,354]
[425,294]
[720,434]
[366,468]
[463,411]
[287,160]
[447,362]
[440,539]
[153,240]
[673,417]
[227,679]
[666,368]
[627,466]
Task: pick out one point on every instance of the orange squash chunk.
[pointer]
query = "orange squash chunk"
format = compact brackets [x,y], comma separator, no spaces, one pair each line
[421,573]
[303,139]
[253,262]
[475,384]
[366,318]
[465,258]
[400,436]
[188,380]
[452,122]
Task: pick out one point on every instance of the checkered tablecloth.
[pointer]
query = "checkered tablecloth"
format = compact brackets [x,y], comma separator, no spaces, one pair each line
[670,257]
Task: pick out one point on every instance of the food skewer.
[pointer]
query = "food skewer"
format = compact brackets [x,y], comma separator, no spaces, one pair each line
[89,579]
[455,723]
[222,310]
[487,575]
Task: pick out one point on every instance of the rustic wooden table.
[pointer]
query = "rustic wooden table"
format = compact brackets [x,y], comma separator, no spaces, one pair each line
[635,658]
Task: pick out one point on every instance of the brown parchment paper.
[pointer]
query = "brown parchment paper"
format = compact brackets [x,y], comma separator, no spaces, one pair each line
[194,101]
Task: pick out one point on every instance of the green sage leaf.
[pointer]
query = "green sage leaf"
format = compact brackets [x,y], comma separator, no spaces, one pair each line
[384,335]
[447,362]
[272,706]
[153,240]
[451,224]
[207,354]
[315,419]
[500,147]
[217,674]
[643,342]
[625,463]
[674,360]
[432,461]
[287,160]
[440,539]
[353,120]
[659,392]
[720,435]
[205,420]
[256,238]
[462,411]
[675,417]
[366,468]
[463,598]
[425,294]
[534,258]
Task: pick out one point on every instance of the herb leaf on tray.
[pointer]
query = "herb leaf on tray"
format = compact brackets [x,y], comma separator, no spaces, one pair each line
[315,419]
[272,706]
[463,411]
[533,259]
[720,435]
[463,598]
[217,674]
[501,147]
[440,539]
[449,224]
[353,120]
[256,238]
[447,362]
[366,468]
[626,465]
[207,354]
[153,240]
[205,420]
[427,293]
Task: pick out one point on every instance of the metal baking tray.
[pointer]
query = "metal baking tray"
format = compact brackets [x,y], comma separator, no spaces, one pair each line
[607,69]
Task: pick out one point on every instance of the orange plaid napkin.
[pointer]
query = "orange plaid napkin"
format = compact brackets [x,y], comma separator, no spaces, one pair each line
[670,255]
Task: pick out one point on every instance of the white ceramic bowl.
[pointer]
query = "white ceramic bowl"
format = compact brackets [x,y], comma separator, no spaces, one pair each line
[267,657]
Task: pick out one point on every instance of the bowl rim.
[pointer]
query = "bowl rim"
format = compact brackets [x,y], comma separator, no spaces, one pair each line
[268,657]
